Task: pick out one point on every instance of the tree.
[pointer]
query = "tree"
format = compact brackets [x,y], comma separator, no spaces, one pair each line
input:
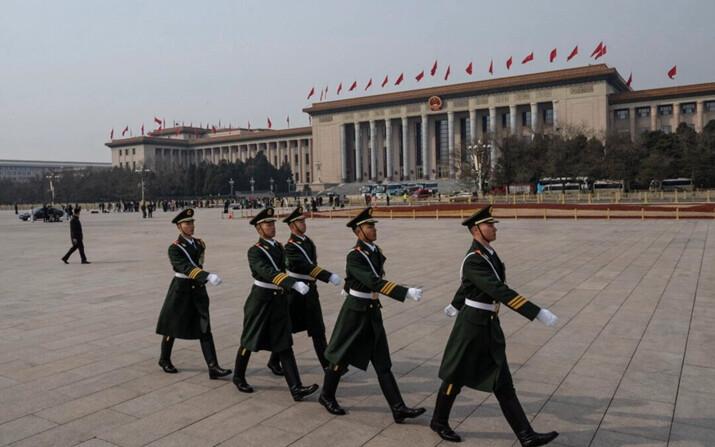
[471,162]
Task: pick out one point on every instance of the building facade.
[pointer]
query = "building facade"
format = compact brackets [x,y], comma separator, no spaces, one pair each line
[22,170]
[416,134]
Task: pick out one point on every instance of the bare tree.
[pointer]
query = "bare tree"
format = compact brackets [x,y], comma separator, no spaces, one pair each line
[472,164]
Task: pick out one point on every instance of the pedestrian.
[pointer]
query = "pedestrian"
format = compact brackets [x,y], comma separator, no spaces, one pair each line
[475,355]
[45,212]
[266,322]
[76,236]
[15,207]
[359,336]
[302,264]
[185,313]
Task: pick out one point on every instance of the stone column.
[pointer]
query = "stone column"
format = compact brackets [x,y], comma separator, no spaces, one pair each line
[534,117]
[632,118]
[425,148]
[405,149]
[676,116]
[493,136]
[358,153]
[388,162]
[343,155]
[512,119]
[555,105]
[699,111]
[450,143]
[653,118]
[373,151]
[472,125]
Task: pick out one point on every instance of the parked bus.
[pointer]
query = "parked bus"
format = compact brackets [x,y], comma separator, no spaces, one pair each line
[563,184]
[608,186]
[672,184]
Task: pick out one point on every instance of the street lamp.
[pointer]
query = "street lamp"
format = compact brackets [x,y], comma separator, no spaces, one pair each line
[289,182]
[230,182]
[479,153]
[52,177]
[252,182]
[271,180]
[141,180]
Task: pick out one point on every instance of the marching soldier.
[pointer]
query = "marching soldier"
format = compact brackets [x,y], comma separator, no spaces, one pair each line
[302,263]
[359,336]
[266,323]
[475,355]
[185,313]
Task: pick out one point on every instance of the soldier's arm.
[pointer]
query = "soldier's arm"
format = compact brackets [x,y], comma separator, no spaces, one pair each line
[458,300]
[259,262]
[183,264]
[298,263]
[478,271]
[359,268]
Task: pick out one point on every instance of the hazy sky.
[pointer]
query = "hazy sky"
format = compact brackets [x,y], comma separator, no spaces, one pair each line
[71,71]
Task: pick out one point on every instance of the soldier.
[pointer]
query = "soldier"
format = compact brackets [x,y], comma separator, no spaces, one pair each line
[359,336]
[185,313]
[266,323]
[302,264]
[475,354]
[77,239]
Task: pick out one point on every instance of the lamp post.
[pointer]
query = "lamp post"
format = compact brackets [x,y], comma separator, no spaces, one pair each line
[230,182]
[289,182]
[52,177]
[479,153]
[271,180]
[141,180]
[252,182]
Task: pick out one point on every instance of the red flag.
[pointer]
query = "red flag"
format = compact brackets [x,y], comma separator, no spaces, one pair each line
[603,51]
[598,49]
[270,124]
[249,125]
[508,63]
[420,76]
[491,67]
[312,92]
[400,79]
[196,133]
[213,128]
[449,70]
[126,129]
[321,94]
[552,56]
[340,87]
[157,120]
[369,83]
[573,53]
[111,135]
[630,79]
[384,82]
[353,87]
[177,131]
[528,58]
[326,91]
[142,129]
[469,69]
[149,134]
[434,68]
[158,130]
[672,72]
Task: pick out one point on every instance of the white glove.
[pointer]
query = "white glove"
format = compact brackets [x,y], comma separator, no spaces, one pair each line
[450,311]
[301,287]
[214,279]
[415,294]
[343,293]
[547,317]
[334,279]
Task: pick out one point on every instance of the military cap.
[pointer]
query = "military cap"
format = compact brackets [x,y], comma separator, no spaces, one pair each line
[365,216]
[266,215]
[297,214]
[481,216]
[184,216]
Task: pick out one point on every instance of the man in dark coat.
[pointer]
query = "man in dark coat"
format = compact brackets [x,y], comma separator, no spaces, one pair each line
[266,323]
[475,355]
[359,336]
[76,236]
[185,313]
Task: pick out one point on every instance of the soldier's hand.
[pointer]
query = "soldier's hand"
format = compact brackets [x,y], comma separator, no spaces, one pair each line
[301,287]
[343,293]
[214,279]
[334,279]
[546,317]
[415,294]
[450,311]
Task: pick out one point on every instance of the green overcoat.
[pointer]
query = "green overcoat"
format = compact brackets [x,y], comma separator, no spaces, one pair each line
[305,310]
[185,313]
[266,323]
[475,355]
[359,335]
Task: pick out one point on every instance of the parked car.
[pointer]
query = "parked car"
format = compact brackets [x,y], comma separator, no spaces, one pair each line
[422,193]
[54,215]
[463,196]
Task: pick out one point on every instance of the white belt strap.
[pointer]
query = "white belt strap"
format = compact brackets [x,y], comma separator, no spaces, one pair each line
[300,276]
[181,275]
[270,258]
[307,258]
[367,296]
[478,305]
[265,285]
[368,261]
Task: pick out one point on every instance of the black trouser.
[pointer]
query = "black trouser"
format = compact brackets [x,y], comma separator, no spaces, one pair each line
[78,246]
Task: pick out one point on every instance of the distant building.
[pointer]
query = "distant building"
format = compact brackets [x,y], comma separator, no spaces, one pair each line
[22,170]
[414,134]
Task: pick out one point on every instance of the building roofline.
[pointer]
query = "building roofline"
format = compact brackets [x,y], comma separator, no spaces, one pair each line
[660,93]
[243,137]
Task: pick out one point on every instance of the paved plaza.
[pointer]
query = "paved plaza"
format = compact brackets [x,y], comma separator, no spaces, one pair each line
[630,363]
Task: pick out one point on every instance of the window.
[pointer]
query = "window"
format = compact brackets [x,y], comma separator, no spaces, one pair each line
[710,106]
[297,177]
[307,159]
[622,114]
[665,110]
[275,160]
[526,119]
[134,151]
[485,123]
[506,120]
[134,165]
[297,159]
[688,108]
[307,177]
[666,129]
[643,112]
[285,159]
[549,116]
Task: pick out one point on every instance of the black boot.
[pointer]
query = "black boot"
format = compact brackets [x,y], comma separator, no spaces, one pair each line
[209,350]
[290,369]
[239,374]
[400,411]
[167,343]
[327,396]
[514,414]
[274,364]
[440,418]
[321,344]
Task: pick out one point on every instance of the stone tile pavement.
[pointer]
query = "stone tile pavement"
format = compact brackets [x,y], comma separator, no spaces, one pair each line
[630,363]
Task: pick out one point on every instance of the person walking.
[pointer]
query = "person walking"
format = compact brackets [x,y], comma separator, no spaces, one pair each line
[266,322]
[185,313]
[359,336]
[77,239]
[475,355]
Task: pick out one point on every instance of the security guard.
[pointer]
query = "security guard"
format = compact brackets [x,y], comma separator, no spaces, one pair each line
[185,313]
[266,323]
[302,264]
[359,336]
[475,355]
